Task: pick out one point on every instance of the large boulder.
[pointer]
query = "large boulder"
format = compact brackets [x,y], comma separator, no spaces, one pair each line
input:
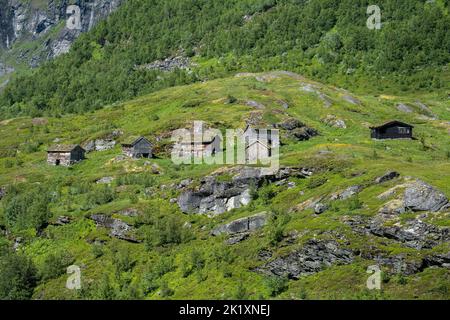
[244,225]
[390,175]
[313,257]
[420,196]
[347,193]
[118,228]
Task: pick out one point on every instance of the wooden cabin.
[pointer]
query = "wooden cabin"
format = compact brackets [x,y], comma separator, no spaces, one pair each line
[258,145]
[137,148]
[392,130]
[65,155]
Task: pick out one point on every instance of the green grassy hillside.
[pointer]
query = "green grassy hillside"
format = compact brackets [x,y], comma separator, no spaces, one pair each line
[178,257]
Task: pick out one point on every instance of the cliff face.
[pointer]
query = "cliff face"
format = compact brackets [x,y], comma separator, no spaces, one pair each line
[44,22]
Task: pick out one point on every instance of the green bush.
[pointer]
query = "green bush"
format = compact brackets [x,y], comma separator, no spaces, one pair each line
[276,285]
[27,208]
[55,265]
[18,277]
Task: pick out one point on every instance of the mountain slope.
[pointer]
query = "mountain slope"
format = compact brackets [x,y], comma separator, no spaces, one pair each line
[326,40]
[179,258]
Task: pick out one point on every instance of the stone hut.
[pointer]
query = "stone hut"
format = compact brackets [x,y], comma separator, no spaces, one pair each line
[65,155]
[137,148]
[198,148]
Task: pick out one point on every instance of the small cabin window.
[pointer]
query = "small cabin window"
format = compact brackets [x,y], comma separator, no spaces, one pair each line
[403,130]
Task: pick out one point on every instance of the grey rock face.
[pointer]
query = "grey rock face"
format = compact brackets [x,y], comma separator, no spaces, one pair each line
[5,69]
[20,19]
[99,145]
[335,122]
[255,104]
[426,110]
[105,180]
[398,264]
[313,257]
[420,196]
[413,234]
[168,64]
[131,212]
[243,225]
[387,177]
[118,228]
[62,220]
[320,208]
[327,102]
[404,108]
[217,197]
[352,100]
[297,129]
[347,193]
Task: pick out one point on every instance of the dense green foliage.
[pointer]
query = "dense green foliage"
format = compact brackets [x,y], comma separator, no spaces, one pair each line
[325,39]
[18,276]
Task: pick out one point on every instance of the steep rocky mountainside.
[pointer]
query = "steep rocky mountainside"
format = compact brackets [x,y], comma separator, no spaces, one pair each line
[43,23]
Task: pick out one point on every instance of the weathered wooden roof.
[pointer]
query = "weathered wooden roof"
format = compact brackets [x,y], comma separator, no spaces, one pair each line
[133,140]
[392,123]
[198,139]
[63,148]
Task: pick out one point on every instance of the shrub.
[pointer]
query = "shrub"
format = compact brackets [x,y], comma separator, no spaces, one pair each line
[99,196]
[27,208]
[18,277]
[276,227]
[55,265]
[276,285]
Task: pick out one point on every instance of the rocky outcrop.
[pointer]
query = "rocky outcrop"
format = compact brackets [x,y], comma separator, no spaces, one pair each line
[297,129]
[313,257]
[215,196]
[400,264]
[404,108]
[118,228]
[347,193]
[255,104]
[4,70]
[352,100]
[426,110]
[244,225]
[310,88]
[413,233]
[62,220]
[390,175]
[105,180]
[22,20]
[168,64]
[335,122]
[102,144]
[420,196]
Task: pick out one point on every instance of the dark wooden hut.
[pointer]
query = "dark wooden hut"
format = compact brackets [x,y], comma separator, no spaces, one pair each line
[392,130]
[138,148]
[65,155]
